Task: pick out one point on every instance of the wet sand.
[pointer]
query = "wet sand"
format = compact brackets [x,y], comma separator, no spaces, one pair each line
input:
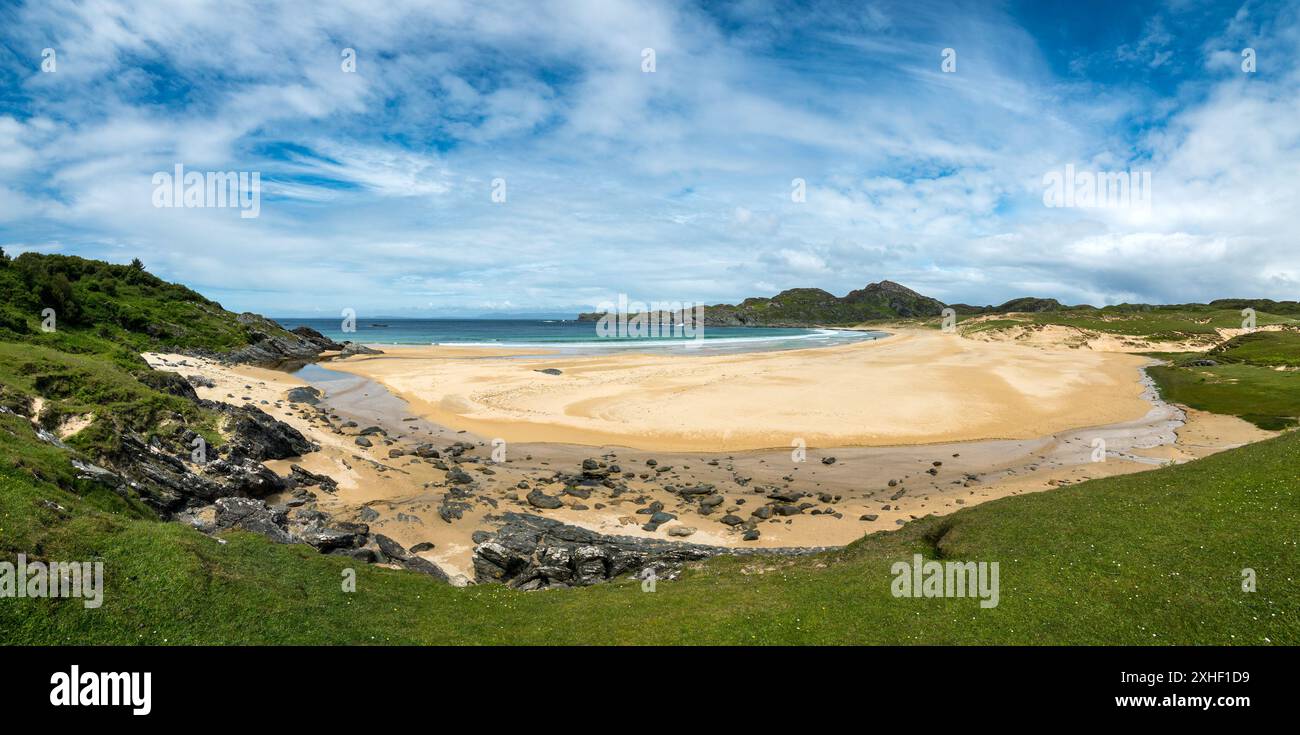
[401,496]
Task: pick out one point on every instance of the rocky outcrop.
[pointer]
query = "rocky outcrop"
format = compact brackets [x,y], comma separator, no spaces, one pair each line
[258,435]
[325,344]
[306,525]
[172,479]
[304,478]
[270,344]
[530,552]
[354,348]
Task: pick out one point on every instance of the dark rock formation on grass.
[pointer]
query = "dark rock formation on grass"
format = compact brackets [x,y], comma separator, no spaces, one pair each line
[269,344]
[259,435]
[531,552]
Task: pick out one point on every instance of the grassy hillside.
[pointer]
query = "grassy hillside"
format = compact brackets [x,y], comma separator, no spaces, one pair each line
[113,310]
[1253,377]
[1152,558]
[1266,349]
[884,300]
[815,307]
[1195,323]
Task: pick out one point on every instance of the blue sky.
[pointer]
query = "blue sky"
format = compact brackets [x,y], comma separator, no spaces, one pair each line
[673,185]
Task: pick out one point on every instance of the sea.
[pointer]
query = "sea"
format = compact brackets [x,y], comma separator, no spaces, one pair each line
[570,336]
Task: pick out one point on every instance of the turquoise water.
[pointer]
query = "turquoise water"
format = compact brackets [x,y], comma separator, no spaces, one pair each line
[568,336]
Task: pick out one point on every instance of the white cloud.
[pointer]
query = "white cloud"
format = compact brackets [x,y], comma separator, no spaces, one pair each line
[670,185]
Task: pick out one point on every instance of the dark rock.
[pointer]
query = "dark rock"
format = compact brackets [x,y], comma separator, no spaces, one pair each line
[458,476]
[787,496]
[697,490]
[242,476]
[424,566]
[531,552]
[317,339]
[258,435]
[304,394]
[304,478]
[352,348]
[248,514]
[391,548]
[539,499]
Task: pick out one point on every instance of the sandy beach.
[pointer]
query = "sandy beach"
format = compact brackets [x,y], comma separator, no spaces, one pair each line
[917,386]
[867,467]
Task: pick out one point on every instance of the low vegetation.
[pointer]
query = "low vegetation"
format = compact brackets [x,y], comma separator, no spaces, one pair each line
[1252,376]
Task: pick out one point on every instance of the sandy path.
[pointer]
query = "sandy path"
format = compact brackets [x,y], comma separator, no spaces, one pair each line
[918,386]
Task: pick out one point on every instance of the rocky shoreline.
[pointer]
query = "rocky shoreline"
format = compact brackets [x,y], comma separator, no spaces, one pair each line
[562,518]
[229,487]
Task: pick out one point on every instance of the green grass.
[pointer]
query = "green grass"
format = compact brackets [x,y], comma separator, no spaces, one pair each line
[1263,396]
[1160,324]
[117,398]
[1157,324]
[1151,558]
[1269,349]
[1246,382]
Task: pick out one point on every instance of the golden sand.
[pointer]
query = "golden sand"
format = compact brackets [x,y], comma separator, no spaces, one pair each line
[917,386]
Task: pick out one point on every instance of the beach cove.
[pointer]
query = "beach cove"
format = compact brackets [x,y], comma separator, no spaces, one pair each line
[370,433]
[915,387]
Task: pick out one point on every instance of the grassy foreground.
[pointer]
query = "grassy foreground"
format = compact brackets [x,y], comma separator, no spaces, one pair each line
[1151,558]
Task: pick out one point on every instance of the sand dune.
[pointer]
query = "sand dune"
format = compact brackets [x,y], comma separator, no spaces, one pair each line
[917,386]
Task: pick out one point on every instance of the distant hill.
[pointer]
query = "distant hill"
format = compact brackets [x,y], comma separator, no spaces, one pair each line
[798,307]
[1024,304]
